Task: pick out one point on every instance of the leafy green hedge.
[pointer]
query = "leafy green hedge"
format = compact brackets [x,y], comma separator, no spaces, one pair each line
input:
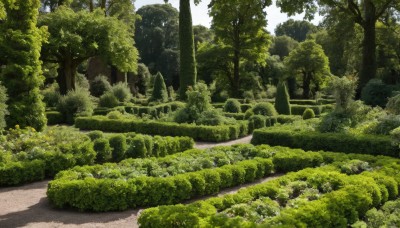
[113,187]
[54,117]
[203,133]
[154,110]
[319,197]
[341,142]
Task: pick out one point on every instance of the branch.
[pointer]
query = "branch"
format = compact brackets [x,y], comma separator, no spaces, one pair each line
[384,8]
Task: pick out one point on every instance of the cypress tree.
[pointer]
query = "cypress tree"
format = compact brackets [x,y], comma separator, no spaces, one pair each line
[160,92]
[187,71]
[282,104]
[22,75]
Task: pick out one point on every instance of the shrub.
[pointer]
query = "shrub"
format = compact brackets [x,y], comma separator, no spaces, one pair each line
[393,105]
[256,122]
[308,114]
[248,96]
[160,92]
[93,135]
[99,86]
[75,103]
[213,118]
[121,91]
[344,90]
[115,115]
[265,109]
[249,113]
[103,150]
[108,100]
[119,146]
[232,106]
[386,124]
[3,106]
[54,117]
[282,104]
[81,81]
[51,95]
[137,148]
[376,93]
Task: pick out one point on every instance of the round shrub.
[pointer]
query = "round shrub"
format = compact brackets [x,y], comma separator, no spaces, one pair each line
[82,82]
[118,145]
[51,95]
[256,122]
[93,135]
[376,93]
[248,96]
[115,115]
[393,105]
[121,91]
[282,104]
[99,86]
[249,113]
[3,106]
[103,150]
[137,148]
[75,103]
[160,92]
[108,100]
[232,106]
[265,109]
[308,114]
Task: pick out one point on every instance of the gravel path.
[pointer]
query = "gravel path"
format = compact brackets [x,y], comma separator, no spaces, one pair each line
[27,206]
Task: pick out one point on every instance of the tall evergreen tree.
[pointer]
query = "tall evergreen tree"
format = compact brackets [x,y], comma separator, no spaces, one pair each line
[160,92]
[282,104]
[22,74]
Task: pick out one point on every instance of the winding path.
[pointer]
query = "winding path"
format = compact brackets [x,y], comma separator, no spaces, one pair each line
[27,206]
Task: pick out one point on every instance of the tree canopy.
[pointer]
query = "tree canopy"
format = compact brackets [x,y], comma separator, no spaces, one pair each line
[297,30]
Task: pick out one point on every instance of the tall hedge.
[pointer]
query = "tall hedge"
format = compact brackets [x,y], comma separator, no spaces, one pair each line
[187,71]
[160,92]
[22,74]
[282,104]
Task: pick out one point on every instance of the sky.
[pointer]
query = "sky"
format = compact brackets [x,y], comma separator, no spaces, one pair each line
[200,13]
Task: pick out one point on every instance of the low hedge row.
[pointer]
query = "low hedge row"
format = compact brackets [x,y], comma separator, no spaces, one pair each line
[341,142]
[79,189]
[197,132]
[259,121]
[54,117]
[336,200]
[154,110]
[318,109]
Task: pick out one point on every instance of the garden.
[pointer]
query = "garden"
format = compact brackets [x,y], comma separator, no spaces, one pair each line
[117,116]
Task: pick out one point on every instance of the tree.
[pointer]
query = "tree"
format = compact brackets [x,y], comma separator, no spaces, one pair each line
[310,61]
[160,92]
[282,46]
[282,104]
[365,13]
[202,34]
[298,30]
[239,25]
[75,37]
[20,46]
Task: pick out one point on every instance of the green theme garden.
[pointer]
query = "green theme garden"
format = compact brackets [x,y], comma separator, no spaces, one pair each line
[110,105]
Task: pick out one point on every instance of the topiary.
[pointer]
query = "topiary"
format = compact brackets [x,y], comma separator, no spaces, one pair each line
[282,104]
[256,122]
[232,106]
[3,106]
[121,91]
[75,103]
[99,86]
[108,100]
[118,144]
[265,109]
[103,150]
[393,105]
[376,93]
[249,113]
[160,92]
[308,114]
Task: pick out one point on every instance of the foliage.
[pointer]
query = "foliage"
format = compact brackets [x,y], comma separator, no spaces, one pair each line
[393,105]
[3,106]
[103,150]
[75,103]
[160,92]
[282,46]
[214,117]
[51,95]
[265,109]
[108,100]
[297,30]
[308,114]
[121,91]
[375,93]
[343,90]
[282,103]
[20,44]
[119,147]
[99,86]
[232,106]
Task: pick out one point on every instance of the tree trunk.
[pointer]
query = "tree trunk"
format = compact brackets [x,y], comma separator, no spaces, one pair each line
[66,75]
[306,85]
[368,64]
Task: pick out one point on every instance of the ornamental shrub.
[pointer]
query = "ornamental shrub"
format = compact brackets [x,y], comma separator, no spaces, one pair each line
[376,93]
[256,122]
[393,105]
[108,100]
[103,150]
[249,113]
[99,86]
[214,118]
[51,95]
[265,109]
[308,114]
[119,146]
[121,91]
[282,104]
[232,106]
[160,92]
[93,135]
[75,103]
[137,148]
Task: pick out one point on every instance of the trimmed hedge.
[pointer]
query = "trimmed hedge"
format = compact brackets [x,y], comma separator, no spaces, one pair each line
[54,117]
[156,110]
[203,133]
[347,143]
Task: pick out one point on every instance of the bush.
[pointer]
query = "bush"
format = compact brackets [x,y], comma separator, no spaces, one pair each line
[103,150]
[51,95]
[3,106]
[308,114]
[54,117]
[393,105]
[248,96]
[93,135]
[81,82]
[249,113]
[99,86]
[232,106]
[376,93]
[214,118]
[115,115]
[108,100]
[265,109]
[282,104]
[256,122]
[119,146]
[75,103]
[160,92]
[121,91]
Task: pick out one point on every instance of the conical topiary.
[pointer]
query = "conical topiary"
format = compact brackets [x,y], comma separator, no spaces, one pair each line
[160,92]
[282,104]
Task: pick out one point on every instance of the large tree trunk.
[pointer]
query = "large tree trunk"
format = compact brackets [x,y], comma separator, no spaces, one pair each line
[66,75]
[368,64]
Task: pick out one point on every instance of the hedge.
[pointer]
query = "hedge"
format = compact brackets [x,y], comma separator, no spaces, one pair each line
[340,142]
[197,132]
[154,110]
[79,189]
[54,117]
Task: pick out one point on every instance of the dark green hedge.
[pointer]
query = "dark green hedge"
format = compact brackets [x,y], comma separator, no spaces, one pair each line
[54,117]
[154,110]
[15,173]
[347,143]
[203,133]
